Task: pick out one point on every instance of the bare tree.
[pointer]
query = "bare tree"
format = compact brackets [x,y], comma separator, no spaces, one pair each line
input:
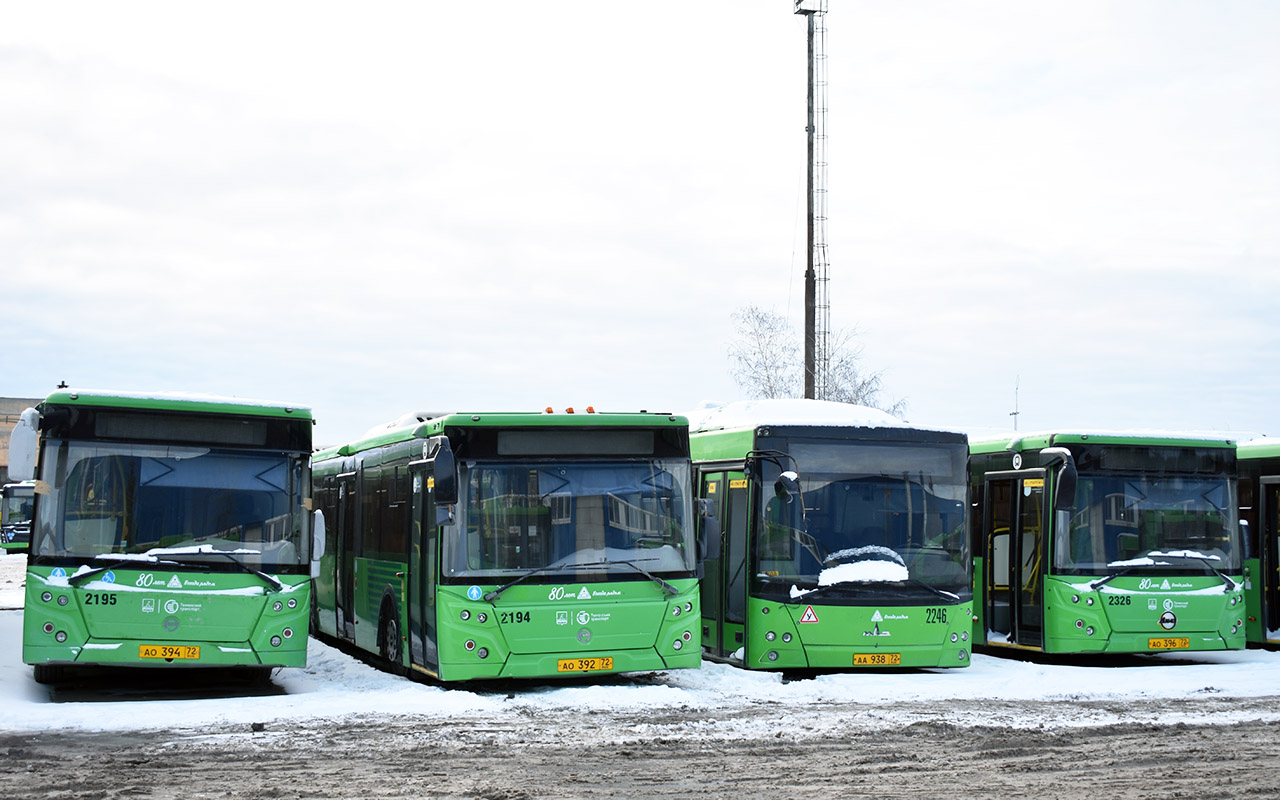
[765,362]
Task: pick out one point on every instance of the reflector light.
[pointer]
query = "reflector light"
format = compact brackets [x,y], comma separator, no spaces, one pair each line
[591,409]
[60,637]
[569,410]
[549,410]
[63,600]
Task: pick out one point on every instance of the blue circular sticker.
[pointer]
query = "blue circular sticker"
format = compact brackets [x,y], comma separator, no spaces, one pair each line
[110,577]
[58,572]
[474,593]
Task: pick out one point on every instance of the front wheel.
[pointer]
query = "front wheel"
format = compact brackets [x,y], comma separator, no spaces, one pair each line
[49,673]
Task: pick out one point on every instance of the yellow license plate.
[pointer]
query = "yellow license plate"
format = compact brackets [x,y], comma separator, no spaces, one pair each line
[186,652]
[877,659]
[584,664]
[1169,643]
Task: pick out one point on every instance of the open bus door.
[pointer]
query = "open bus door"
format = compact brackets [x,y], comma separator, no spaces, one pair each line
[724,584]
[348,533]
[1014,530]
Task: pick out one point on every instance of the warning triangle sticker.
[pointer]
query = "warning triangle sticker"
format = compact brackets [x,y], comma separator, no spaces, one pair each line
[808,615]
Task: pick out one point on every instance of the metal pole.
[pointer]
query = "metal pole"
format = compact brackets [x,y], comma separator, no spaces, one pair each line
[810,279]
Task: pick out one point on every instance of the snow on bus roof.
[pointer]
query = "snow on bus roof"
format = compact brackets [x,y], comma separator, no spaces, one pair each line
[750,413]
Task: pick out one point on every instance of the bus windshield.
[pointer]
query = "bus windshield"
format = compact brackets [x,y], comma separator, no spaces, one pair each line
[561,517]
[870,520]
[192,504]
[1149,522]
[17,504]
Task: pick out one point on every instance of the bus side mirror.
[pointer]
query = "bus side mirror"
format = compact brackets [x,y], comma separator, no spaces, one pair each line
[317,535]
[23,442]
[787,485]
[446,472]
[1064,493]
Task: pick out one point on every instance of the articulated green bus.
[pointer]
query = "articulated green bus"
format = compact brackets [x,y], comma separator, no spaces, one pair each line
[511,545]
[1115,543]
[16,502]
[169,531]
[844,540]
[1259,463]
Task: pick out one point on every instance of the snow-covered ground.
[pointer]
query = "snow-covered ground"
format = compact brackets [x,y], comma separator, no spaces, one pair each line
[336,686]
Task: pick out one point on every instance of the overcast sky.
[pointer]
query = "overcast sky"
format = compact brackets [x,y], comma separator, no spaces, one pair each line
[377,207]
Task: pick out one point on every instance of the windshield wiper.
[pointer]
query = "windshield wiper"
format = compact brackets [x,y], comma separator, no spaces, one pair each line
[1111,576]
[81,577]
[1231,584]
[272,582]
[820,590]
[666,587]
[943,593]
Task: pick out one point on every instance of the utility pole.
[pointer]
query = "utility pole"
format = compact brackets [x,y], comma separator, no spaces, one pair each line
[817,309]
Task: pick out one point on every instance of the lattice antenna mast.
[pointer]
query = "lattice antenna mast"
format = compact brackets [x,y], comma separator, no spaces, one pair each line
[817,305]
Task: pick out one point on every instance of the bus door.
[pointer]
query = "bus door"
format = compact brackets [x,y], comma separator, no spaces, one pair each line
[348,532]
[1014,529]
[423,563]
[724,583]
[1269,516]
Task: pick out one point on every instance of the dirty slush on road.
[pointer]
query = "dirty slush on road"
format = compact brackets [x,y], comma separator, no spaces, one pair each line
[1006,749]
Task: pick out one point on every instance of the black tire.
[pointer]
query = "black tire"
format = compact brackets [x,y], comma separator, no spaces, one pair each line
[50,673]
[390,646]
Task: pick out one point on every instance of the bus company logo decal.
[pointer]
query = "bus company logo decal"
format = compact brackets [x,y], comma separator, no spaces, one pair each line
[149,605]
[584,617]
[1168,620]
[584,594]
[174,583]
[876,632]
[562,617]
[171,606]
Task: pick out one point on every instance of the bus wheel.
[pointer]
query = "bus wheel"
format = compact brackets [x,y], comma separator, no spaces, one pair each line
[49,673]
[389,636]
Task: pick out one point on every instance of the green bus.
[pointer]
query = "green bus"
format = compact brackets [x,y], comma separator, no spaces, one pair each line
[16,501]
[170,531]
[1106,543]
[844,538]
[1259,463]
[511,545]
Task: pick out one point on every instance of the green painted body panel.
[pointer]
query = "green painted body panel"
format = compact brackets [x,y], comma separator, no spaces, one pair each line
[375,580]
[527,629]
[1039,441]
[818,636]
[231,616]
[721,445]
[1124,614]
